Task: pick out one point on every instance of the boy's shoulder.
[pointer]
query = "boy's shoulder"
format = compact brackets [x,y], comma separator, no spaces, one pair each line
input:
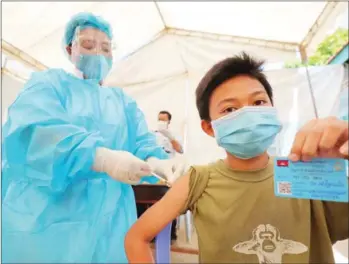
[204,171]
[207,167]
[199,178]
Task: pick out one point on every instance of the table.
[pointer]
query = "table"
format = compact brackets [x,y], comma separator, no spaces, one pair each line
[150,194]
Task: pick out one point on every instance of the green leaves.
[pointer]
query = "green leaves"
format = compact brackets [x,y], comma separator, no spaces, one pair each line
[325,50]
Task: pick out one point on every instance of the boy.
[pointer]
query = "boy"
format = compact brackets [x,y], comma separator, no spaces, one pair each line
[236,214]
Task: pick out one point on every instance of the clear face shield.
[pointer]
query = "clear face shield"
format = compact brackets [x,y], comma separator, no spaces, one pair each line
[91,53]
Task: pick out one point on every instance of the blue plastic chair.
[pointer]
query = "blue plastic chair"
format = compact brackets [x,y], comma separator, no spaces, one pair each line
[163,245]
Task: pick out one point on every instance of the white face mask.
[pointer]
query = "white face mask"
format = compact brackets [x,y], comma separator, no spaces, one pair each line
[162,125]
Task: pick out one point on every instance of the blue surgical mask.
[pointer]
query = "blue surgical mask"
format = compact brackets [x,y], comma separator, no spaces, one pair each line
[247,132]
[94,67]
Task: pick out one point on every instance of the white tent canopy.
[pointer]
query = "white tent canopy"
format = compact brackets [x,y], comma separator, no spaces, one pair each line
[36,28]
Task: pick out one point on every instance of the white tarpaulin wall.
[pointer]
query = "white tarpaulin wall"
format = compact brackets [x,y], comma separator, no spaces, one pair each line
[172,54]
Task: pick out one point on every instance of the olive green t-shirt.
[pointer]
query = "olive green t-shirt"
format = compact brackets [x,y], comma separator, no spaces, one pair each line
[238,219]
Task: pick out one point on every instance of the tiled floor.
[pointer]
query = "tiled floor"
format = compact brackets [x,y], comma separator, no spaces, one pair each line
[183,258]
[181,245]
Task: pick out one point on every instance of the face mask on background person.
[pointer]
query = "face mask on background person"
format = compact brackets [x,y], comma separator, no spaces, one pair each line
[162,125]
[247,132]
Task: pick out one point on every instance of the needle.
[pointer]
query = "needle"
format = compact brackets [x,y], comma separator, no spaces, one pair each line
[162,179]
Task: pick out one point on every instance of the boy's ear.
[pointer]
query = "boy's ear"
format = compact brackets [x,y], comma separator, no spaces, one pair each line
[207,128]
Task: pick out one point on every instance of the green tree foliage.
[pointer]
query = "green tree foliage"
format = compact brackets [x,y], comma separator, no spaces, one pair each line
[325,50]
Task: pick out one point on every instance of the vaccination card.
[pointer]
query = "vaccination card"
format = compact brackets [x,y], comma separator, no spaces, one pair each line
[319,179]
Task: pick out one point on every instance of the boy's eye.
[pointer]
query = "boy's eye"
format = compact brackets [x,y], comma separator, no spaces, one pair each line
[229,110]
[260,102]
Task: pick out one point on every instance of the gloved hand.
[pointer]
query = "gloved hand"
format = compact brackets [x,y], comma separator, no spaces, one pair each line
[170,169]
[121,165]
[167,133]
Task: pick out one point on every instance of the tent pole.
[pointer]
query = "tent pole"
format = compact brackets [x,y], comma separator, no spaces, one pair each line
[320,20]
[188,217]
[160,14]
[280,45]
[186,109]
[304,56]
[186,73]
[5,63]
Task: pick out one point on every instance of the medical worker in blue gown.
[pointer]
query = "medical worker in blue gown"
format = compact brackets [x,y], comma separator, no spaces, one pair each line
[71,149]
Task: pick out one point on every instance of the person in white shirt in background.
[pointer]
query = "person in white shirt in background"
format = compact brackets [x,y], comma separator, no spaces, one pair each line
[171,146]
[164,136]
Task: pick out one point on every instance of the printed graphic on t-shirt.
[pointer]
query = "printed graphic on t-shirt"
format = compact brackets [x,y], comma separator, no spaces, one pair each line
[268,246]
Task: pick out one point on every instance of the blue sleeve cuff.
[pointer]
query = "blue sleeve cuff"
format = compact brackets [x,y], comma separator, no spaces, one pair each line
[149,179]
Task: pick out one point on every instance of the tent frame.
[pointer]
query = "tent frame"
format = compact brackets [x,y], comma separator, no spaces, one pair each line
[21,56]
[326,12]
[28,60]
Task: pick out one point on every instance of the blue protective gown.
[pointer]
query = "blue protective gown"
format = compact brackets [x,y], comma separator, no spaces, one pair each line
[55,209]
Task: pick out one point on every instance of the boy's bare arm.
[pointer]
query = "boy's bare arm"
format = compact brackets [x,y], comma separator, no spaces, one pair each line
[154,220]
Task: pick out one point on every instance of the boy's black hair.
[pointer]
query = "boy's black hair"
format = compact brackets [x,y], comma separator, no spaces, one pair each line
[242,64]
[166,113]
